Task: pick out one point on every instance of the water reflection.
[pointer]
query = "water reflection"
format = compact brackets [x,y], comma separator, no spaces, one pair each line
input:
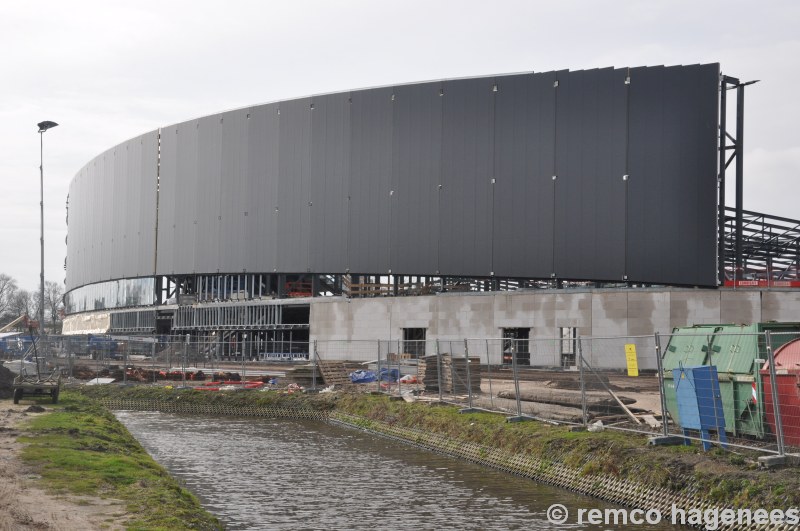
[278,474]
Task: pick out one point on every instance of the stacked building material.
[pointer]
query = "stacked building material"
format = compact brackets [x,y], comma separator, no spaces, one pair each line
[455,378]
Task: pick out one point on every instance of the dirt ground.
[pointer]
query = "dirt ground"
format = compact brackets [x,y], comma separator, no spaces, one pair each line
[24,506]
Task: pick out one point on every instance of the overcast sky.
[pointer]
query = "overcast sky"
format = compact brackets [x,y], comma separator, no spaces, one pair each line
[107,71]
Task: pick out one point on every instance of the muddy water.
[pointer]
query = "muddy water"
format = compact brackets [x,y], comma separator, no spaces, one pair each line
[279,474]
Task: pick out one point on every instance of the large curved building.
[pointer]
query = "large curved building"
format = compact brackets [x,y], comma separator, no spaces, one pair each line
[595,178]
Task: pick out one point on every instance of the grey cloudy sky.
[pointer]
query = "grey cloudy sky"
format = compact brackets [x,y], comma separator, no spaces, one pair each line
[108,70]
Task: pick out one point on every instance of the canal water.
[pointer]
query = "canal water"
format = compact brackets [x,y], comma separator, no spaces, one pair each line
[287,474]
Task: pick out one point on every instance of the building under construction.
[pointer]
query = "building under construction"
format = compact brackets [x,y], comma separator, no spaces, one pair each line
[530,205]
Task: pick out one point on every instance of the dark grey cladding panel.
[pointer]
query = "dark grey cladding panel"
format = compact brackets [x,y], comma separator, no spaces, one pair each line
[330,178]
[261,232]
[416,167]
[294,186]
[523,161]
[353,183]
[370,167]
[590,163]
[672,188]
[465,221]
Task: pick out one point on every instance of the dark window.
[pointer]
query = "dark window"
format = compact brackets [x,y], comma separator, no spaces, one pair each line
[414,342]
[516,343]
[568,347]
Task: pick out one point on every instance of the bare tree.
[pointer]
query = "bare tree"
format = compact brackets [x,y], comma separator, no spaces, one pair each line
[24,303]
[8,289]
[53,300]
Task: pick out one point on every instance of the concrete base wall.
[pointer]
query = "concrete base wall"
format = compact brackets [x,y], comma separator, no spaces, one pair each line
[599,313]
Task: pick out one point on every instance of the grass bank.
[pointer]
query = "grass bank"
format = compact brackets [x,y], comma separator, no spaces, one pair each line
[726,478]
[80,448]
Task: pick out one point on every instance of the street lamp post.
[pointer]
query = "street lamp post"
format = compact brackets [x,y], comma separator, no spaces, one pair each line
[43,126]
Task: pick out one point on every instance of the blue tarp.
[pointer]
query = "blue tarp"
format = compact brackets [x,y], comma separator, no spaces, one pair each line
[362,376]
[389,375]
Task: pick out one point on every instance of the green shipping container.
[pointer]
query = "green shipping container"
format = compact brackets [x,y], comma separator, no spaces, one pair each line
[738,352]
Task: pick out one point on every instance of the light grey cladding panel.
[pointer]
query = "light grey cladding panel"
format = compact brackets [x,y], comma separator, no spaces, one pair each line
[105,184]
[371,166]
[467,165]
[147,206]
[167,201]
[190,192]
[590,163]
[234,213]
[190,199]
[262,154]
[672,189]
[523,193]
[330,178]
[293,185]
[207,188]
[416,170]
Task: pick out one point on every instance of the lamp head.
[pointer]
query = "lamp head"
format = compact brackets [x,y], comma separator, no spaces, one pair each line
[44,126]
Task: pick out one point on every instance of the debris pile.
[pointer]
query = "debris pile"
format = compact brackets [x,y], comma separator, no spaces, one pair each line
[6,380]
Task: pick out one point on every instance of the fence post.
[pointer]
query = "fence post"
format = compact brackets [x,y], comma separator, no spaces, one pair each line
[439,368]
[469,376]
[399,391]
[378,379]
[183,361]
[516,377]
[584,414]
[489,371]
[661,393]
[775,403]
[153,360]
[314,367]
[125,366]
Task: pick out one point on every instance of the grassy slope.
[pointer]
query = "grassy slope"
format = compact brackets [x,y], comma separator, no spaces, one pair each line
[81,449]
[725,477]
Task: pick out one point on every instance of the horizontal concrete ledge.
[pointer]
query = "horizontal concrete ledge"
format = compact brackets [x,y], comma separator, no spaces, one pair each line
[665,440]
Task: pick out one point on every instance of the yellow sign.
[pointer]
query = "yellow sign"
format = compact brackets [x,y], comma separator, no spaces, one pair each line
[630,357]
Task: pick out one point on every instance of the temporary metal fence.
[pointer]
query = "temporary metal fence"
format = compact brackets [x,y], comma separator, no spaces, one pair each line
[620,383]
[706,384]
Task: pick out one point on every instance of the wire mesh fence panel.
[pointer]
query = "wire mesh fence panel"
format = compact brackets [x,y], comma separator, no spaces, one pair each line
[780,385]
[619,384]
[718,387]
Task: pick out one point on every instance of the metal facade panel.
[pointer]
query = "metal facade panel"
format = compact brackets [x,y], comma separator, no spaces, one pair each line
[672,186]
[416,170]
[293,185]
[148,164]
[523,168]
[590,164]
[467,165]
[330,178]
[354,184]
[206,186]
[167,201]
[370,174]
[263,174]
[232,244]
